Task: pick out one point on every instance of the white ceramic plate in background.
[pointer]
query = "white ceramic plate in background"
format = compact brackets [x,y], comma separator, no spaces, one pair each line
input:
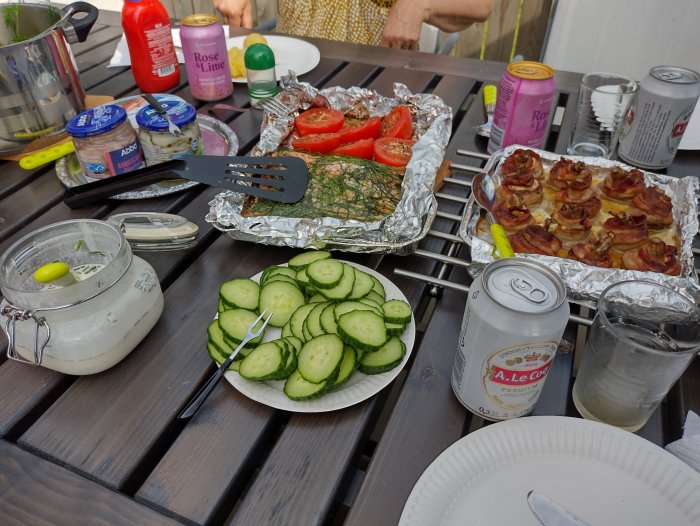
[290,53]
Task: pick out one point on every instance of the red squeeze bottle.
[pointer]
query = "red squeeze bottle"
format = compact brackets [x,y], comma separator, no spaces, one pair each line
[153,61]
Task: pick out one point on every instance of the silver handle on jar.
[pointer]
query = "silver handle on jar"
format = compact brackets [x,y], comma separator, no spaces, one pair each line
[13,314]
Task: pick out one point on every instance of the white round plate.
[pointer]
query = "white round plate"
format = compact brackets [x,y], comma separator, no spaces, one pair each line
[358,388]
[601,474]
[290,53]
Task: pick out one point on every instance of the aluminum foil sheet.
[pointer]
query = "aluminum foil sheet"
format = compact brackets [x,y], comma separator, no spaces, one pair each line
[397,233]
[585,283]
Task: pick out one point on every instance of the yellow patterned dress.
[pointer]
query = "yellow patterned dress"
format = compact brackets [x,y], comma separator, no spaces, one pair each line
[358,21]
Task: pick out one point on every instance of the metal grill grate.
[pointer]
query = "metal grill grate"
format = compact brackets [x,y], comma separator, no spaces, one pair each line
[454,194]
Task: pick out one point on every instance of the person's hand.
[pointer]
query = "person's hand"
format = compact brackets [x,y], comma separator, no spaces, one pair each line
[403,25]
[236,13]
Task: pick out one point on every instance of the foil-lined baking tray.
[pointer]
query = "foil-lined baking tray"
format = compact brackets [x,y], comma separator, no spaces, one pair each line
[399,232]
[585,283]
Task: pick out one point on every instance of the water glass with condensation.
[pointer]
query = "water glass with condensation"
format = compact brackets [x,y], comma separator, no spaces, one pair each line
[603,102]
[643,337]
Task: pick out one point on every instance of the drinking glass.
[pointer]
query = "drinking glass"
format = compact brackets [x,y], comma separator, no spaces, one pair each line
[643,337]
[603,102]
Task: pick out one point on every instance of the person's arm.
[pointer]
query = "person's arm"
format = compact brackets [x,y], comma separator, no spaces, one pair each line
[236,13]
[403,24]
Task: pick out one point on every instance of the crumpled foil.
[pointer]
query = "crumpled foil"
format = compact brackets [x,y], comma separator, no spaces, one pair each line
[397,233]
[585,283]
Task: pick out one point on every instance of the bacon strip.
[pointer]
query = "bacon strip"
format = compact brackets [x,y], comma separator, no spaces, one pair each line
[569,174]
[522,162]
[623,185]
[653,256]
[572,222]
[597,255]
[630,230]
[534,239]
[513,214]
[657,206]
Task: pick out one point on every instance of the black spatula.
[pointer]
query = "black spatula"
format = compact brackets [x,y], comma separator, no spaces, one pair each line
[285,181]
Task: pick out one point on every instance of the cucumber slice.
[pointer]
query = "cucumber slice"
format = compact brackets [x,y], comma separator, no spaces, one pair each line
[234,324]
[363,285]
[343,289]
[219,359]
[325,273]
[313,320]
[302,278]
[379,288]
[377,307]
[317,298]
[221,306]
[379,300]
[297,388]
[277,271]
[265,362]
[282,277]
[306,258]
[349,306]
[347,367]
[395,329]
[319,359]
[362,329]
[296,343]
[328,321]
[282,299]
[397,311]
[287,330]
[240,293]
[385,359]
[296,322]
[216,338]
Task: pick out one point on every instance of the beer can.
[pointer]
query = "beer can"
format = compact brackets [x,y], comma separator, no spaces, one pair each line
[659,116]
[525,98]
[515,316]
[206,57]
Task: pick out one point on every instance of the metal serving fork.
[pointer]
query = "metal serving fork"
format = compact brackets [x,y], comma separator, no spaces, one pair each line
[172,127]
[192,407]
[275,107]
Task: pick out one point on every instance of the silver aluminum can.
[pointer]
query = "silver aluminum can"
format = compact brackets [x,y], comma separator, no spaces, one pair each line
[659,116]
[515,316]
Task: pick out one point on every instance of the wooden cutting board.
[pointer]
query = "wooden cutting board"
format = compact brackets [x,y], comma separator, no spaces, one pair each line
[91,101]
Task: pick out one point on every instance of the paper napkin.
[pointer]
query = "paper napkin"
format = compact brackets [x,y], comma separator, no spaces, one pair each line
[687,448]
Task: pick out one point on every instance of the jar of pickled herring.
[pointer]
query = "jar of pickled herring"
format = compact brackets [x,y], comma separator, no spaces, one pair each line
[105,142]
[159,145]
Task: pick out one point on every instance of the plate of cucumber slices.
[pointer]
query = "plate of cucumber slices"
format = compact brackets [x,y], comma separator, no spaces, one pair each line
[340,333]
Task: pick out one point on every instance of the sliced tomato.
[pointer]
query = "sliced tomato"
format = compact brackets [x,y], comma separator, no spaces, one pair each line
[319,120]
[361,129]
[393,151]
[398,123]
[364,148]
[319,142]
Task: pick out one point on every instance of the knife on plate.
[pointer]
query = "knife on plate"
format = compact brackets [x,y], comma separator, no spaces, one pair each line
[549,513]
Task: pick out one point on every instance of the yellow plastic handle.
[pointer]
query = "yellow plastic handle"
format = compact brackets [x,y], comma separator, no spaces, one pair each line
[501,240]
[490,94]
[34,160]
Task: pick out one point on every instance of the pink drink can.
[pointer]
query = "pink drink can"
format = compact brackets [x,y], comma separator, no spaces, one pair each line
[206,57]
[525,95]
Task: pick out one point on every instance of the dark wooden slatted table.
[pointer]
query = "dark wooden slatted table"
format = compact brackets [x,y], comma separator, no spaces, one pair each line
[106,449]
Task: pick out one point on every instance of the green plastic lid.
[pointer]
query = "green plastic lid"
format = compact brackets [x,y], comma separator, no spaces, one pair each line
[259,57]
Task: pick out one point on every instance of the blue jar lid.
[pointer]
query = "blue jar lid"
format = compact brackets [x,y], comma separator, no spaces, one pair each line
[96,121]
[180,112]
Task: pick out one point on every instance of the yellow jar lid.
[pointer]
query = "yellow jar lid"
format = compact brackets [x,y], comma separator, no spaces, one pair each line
[199,19]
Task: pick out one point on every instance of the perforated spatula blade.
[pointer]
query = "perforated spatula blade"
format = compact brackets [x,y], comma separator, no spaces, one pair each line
[281,178]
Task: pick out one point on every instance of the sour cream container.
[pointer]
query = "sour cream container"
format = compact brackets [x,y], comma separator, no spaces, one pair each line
[86,324]
[159,145]
[105,142]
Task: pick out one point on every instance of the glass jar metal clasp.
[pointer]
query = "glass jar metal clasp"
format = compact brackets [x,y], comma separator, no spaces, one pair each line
[13,314]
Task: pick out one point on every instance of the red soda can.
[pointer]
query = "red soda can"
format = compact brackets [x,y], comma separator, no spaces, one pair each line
[206,57]
[659,116]
[525,95]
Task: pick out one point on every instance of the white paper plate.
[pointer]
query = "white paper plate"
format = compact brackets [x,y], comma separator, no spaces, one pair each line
[358,388]
[601,474]
[290,53]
